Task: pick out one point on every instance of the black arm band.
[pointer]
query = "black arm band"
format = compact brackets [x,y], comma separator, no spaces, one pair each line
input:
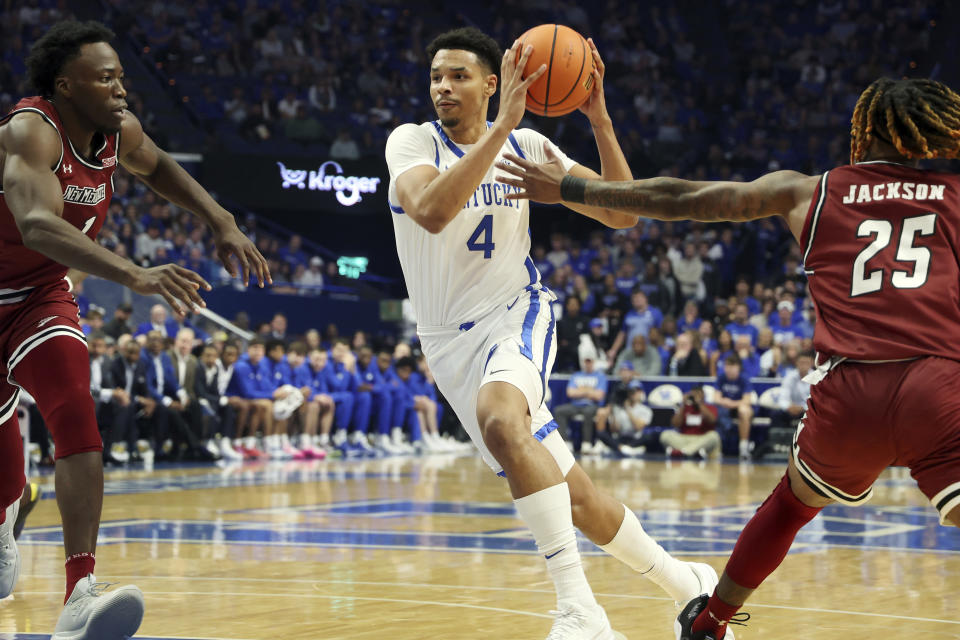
[573,189]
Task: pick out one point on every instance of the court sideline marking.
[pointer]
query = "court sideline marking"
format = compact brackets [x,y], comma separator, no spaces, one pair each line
[316,583]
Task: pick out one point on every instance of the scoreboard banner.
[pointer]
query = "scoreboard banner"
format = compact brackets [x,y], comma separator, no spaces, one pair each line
[277,181]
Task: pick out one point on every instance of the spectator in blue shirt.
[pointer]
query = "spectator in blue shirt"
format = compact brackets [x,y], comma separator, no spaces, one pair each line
[375,396]
[404,399]
[743,295]
[320,394]
[741,323]
[249,382]
[785,328]
[293,254]
[690,319]
[735,396]
[640,319]
[793,393]
[586,392]
[313,405]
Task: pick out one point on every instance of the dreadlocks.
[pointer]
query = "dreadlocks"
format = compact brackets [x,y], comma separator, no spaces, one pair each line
[920,117]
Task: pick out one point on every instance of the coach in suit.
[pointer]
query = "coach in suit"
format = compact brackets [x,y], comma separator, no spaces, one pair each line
[128,372]
[164,387]
[109,399]
[185,366]
[159,321]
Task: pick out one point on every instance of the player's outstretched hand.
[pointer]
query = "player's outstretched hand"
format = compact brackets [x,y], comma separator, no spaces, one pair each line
[537,182]
[595,108]
[179,287]
[231,243]
[513,93]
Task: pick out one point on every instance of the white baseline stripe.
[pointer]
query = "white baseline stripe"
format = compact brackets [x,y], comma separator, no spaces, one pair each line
[318,596]
[454,587]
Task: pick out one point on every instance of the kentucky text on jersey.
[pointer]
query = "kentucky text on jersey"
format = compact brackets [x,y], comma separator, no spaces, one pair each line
[490,193]
[85,195]
[893,191]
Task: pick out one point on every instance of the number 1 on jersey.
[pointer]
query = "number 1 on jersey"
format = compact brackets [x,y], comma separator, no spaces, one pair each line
[485,244]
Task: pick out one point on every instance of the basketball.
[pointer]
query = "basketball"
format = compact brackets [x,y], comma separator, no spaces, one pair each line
[569,78]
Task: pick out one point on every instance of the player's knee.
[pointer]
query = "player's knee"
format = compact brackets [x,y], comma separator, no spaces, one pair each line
[499,433]
[70,416]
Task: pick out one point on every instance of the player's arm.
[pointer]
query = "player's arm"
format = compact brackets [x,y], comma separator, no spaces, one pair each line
[32,192]
[783,193]
[431,198]
[613,164]
[154,166]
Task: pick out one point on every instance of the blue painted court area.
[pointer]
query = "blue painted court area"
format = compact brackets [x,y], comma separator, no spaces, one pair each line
[367,525]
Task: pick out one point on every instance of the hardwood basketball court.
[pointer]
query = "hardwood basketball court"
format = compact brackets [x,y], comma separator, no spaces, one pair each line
[416,548]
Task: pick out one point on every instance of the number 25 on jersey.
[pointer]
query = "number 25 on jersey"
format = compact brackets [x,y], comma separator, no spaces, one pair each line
[482,238]
[863,282]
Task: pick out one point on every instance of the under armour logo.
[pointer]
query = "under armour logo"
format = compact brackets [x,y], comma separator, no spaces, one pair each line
[68,168]
[45,321]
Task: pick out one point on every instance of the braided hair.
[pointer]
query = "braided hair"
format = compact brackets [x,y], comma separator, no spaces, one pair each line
[919,117]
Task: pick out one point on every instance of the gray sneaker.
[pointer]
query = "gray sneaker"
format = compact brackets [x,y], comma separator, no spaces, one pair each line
[9,554]
[92,614]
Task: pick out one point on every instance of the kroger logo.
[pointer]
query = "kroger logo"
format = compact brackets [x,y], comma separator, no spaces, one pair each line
[348,188]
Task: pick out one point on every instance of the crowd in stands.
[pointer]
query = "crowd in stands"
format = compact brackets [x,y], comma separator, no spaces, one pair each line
[709,92]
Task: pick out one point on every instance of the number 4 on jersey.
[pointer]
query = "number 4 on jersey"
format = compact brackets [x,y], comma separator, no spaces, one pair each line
[485,244]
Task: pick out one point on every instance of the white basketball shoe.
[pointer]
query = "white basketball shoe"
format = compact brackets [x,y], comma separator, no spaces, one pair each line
[706,579]
[576,622]
[92,614]
[9,554]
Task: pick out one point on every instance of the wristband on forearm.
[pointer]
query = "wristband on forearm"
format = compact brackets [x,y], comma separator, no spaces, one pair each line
[573,189]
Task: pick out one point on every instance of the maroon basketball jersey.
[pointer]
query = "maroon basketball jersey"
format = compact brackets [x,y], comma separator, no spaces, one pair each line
[882,254]
[87,186]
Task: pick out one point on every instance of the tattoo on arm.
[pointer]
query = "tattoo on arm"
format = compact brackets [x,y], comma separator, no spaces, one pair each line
[674,199]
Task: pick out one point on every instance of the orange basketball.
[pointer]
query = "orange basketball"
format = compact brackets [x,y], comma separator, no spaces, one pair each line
[568,81]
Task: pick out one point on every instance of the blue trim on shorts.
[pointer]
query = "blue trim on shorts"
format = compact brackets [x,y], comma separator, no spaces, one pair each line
[466,326]
[546,353]
[526,335]
[531,270]
[545,430]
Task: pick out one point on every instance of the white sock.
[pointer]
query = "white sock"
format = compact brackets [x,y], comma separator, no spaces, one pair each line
[547,513]
[285,439]
[324,439]
[250,442]
[640,552]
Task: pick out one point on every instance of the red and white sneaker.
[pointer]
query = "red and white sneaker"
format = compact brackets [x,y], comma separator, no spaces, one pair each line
[314,453]
[293,452]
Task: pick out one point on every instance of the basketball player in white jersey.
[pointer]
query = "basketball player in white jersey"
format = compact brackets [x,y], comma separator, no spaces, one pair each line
[485,321]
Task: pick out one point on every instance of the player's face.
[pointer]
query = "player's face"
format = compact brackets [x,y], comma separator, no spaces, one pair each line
[460,86]
[383,361]
[318,360]
[93,83]
[255,351]
[209,357]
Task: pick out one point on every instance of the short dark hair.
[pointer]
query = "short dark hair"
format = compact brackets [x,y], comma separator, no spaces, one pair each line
[231,345]
[298,347]
[406,362]
[469,39]
[256,341]
[807,353]
[274,343]
[58,46]
[732,358]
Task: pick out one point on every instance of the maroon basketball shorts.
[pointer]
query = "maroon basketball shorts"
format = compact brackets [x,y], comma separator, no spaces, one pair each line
[29,318]
[864,417]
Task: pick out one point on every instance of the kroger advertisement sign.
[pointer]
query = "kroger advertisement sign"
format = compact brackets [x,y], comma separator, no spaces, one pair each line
[298,184]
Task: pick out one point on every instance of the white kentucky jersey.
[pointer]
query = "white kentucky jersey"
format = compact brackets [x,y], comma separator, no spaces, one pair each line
[481,259]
